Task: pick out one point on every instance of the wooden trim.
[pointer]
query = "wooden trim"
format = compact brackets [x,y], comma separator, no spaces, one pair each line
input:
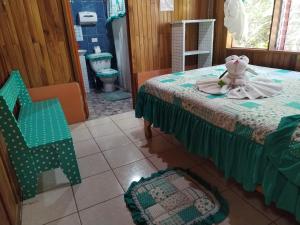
[74,51]
[10,194]
[134,81]
[3,214]
[264,50]
[275,24]
[297,67]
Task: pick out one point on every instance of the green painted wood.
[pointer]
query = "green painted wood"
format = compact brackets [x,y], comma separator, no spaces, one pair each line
[39,140]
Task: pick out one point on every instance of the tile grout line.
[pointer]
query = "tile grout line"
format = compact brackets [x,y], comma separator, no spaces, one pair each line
[261,213]
[99,203]
[147,157]
[60,218]
[101,152]
[109,163]
[76,205]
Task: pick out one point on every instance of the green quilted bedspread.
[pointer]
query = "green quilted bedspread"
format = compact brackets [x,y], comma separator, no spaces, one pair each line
[254,119]
[257,142]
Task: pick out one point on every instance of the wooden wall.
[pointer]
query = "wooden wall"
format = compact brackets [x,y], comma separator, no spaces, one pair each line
[9,192]
[150,31]
[37,38]
[33,39]
[269,58]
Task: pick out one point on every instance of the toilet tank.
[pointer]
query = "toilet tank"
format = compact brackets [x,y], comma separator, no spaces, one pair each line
[100,61]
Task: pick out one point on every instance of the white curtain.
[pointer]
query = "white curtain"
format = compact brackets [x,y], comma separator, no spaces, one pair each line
[236,18]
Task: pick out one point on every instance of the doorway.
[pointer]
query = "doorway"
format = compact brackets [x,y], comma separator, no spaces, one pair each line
[104,56]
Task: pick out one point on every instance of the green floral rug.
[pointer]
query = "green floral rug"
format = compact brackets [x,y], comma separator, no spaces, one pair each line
[175,197]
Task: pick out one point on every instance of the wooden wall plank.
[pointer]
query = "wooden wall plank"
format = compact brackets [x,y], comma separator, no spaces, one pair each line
[9,192]
[35,42]
[35,38]
[150,31]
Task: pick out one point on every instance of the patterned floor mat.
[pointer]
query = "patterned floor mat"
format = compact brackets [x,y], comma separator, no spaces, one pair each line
[175,197]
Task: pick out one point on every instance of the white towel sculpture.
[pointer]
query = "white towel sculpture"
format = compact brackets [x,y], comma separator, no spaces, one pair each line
[236,84]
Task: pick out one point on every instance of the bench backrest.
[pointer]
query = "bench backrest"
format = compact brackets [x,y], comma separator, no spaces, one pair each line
[14,90]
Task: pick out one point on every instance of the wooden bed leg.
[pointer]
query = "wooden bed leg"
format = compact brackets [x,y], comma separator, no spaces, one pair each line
[147,129]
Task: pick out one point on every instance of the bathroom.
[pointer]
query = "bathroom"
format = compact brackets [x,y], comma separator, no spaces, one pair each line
[101,33]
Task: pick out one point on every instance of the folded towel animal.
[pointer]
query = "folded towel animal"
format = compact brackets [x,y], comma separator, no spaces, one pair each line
[236,84]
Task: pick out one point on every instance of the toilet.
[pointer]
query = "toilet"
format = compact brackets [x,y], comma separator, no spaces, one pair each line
[108,77]
[101,65]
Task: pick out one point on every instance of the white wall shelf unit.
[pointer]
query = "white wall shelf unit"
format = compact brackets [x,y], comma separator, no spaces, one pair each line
[205,43]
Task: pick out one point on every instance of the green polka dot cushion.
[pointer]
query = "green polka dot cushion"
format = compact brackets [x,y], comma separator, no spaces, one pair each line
[39,140]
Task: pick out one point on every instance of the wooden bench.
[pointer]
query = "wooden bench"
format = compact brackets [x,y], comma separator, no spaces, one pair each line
[39,140]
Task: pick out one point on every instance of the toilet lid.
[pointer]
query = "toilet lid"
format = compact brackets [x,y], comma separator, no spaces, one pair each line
[107,73]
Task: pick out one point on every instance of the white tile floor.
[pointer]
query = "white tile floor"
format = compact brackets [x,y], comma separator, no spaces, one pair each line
[112,152]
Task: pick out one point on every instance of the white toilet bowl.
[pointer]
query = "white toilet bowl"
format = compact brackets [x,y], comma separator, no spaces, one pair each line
[101,63]
[108,77]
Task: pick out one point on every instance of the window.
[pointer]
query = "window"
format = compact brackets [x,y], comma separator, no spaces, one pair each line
[289,38]
[273,24]
[260,13]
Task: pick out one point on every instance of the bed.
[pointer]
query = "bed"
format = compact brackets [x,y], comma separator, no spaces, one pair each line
[256,142]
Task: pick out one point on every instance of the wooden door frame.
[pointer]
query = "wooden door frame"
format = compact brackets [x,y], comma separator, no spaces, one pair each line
[133,76]
[73,46]
[75,55]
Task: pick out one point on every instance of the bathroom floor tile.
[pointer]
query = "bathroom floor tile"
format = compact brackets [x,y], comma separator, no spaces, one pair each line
[81,135]
[99,107]
[84,148]
[287,219]
[123,155]
[99,121]
[104,129]
[77,126]
[112,141]
[52,179]
[241,213]
[68,220]
[92,164]
[165,160]
[97,189]
[137,134]
[257,200]
[172,139]
[130,114]
[129,123]
[48,206]
[206,175]
[154,146]
[112,212]
[134,172]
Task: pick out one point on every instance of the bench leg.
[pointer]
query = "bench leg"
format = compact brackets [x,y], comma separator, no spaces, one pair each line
[147,129]
[68,163]
[26,173]
[29,187]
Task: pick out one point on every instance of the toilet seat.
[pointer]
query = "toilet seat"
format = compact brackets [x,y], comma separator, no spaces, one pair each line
[108,73]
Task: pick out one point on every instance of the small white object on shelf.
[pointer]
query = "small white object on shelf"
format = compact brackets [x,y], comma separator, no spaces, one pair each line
[205,43]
